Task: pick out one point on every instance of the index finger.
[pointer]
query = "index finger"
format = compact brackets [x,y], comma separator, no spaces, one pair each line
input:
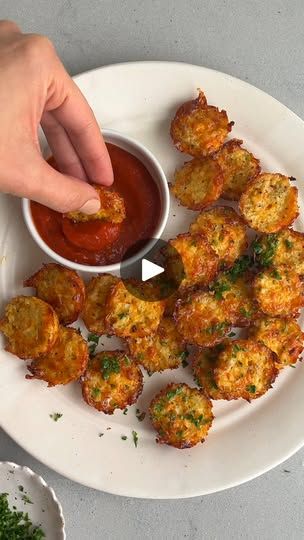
[79,122]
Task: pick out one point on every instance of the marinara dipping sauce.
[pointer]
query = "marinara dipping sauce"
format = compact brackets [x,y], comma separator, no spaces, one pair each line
[98,242]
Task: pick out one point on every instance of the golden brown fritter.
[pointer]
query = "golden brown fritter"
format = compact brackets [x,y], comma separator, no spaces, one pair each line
[238,167]
[279,291]
[60,287]
[94,312]
[130,316]
[198,183]
[65,362]
[282,336]
[201,319]
[199,129]
[163,350]
[225,230]
[182,416]
[111,381]
[200,262]
[30,325]
[285,247]
[245,369]
[112,208]
[203,364]
[269,203]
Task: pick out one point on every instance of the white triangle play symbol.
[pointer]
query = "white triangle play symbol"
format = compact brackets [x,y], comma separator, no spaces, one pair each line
[149,269]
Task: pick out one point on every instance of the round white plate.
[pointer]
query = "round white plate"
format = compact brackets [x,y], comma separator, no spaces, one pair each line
[246,440]
[29,493]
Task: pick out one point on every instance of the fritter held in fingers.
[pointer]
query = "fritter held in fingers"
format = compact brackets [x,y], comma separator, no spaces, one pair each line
[198,183]
[112,208]
[65,362]
[245,369]
[128,315]
[279,291]
[203,363]
[285,247]
[60,287]
[199,129]
[30,325]
[269,203]
[111,381]
[282,336]
[94,312]
[238,167]
[200,261]
[163,350]
[225,230]
[182,416]
[201,319]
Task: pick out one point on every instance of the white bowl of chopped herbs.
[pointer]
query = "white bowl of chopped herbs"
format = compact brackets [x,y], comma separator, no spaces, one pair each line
[29,509]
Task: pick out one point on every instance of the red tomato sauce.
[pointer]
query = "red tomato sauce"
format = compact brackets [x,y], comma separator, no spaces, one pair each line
[99,243]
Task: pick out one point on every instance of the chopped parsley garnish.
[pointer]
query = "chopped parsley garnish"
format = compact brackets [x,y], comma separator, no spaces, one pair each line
[135,438]
[232,334]
[109,365]
[293,366]
[127,360]
[140,415]
[55,416]
[93,340]
[240,266]
[246,312]
[237,348]
[125,412]
[219,287]
[124,437]
[197,421]
[265,248]
[288,243]
[251,388]
[276,275]
[16,525]
[183,356]
[95,393]
[219,328]
[122,315]
[158,407]
[174,392]
[26,499]
[21,488]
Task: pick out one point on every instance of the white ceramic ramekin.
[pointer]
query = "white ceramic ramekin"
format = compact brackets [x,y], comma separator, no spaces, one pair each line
[158,175]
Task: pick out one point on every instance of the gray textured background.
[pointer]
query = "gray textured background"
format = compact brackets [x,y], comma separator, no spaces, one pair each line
[261,42]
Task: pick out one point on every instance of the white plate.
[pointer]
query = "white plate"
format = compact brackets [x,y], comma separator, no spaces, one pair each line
[246,439]
[29,493]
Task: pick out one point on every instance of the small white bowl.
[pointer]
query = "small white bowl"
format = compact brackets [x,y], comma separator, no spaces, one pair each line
[29,493]
[158,175]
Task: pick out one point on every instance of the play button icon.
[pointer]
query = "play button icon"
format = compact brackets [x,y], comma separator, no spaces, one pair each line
[145,271]
[150,270]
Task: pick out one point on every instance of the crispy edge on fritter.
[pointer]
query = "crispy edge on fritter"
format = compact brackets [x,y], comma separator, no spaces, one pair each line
[203,362]
[199,129]
[200,261]
[269,203]
[283,248]
[238,165]
[111,381]
[198,183]
[282,336]
[245,369]
[60,287]
[65,362]
[130,316]
[182,416]
[201,319]
[160,351]
[279,291]
[30,325]
[225,230]
[95,310]
[112,208]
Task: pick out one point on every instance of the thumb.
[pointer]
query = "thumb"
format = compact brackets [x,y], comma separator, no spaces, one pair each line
[59,191]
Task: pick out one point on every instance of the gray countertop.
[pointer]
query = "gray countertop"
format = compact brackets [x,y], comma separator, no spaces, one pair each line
[262,43]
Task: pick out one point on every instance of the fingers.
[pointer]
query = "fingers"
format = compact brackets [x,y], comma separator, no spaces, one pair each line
[62,149]
[8,27]
[58,191]
[79,122]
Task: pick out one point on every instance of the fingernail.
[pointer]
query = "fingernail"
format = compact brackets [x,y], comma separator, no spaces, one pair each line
[90,207]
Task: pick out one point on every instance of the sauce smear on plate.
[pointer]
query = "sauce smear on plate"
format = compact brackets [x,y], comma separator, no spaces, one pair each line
[99,242]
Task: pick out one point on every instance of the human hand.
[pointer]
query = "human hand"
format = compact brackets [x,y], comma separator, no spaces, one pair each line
[35,89]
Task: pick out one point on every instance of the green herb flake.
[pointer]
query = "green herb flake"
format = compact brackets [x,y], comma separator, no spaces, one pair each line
[140,415]
[127,360]
[21,488]
[218,328]
[26,499]
[240,266]
[125,412]
[122,315]
[276,275]
[95,393]
[135,438]
[109,365]
[246,312]
[232,334]
[16,525]
[237,348]
[265,249]
[197,421]
[93,340]
[292,366]
[56,416]
[219,287]
[124,437]
[251,388]
[183,356]
[174,392]
[288,243]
